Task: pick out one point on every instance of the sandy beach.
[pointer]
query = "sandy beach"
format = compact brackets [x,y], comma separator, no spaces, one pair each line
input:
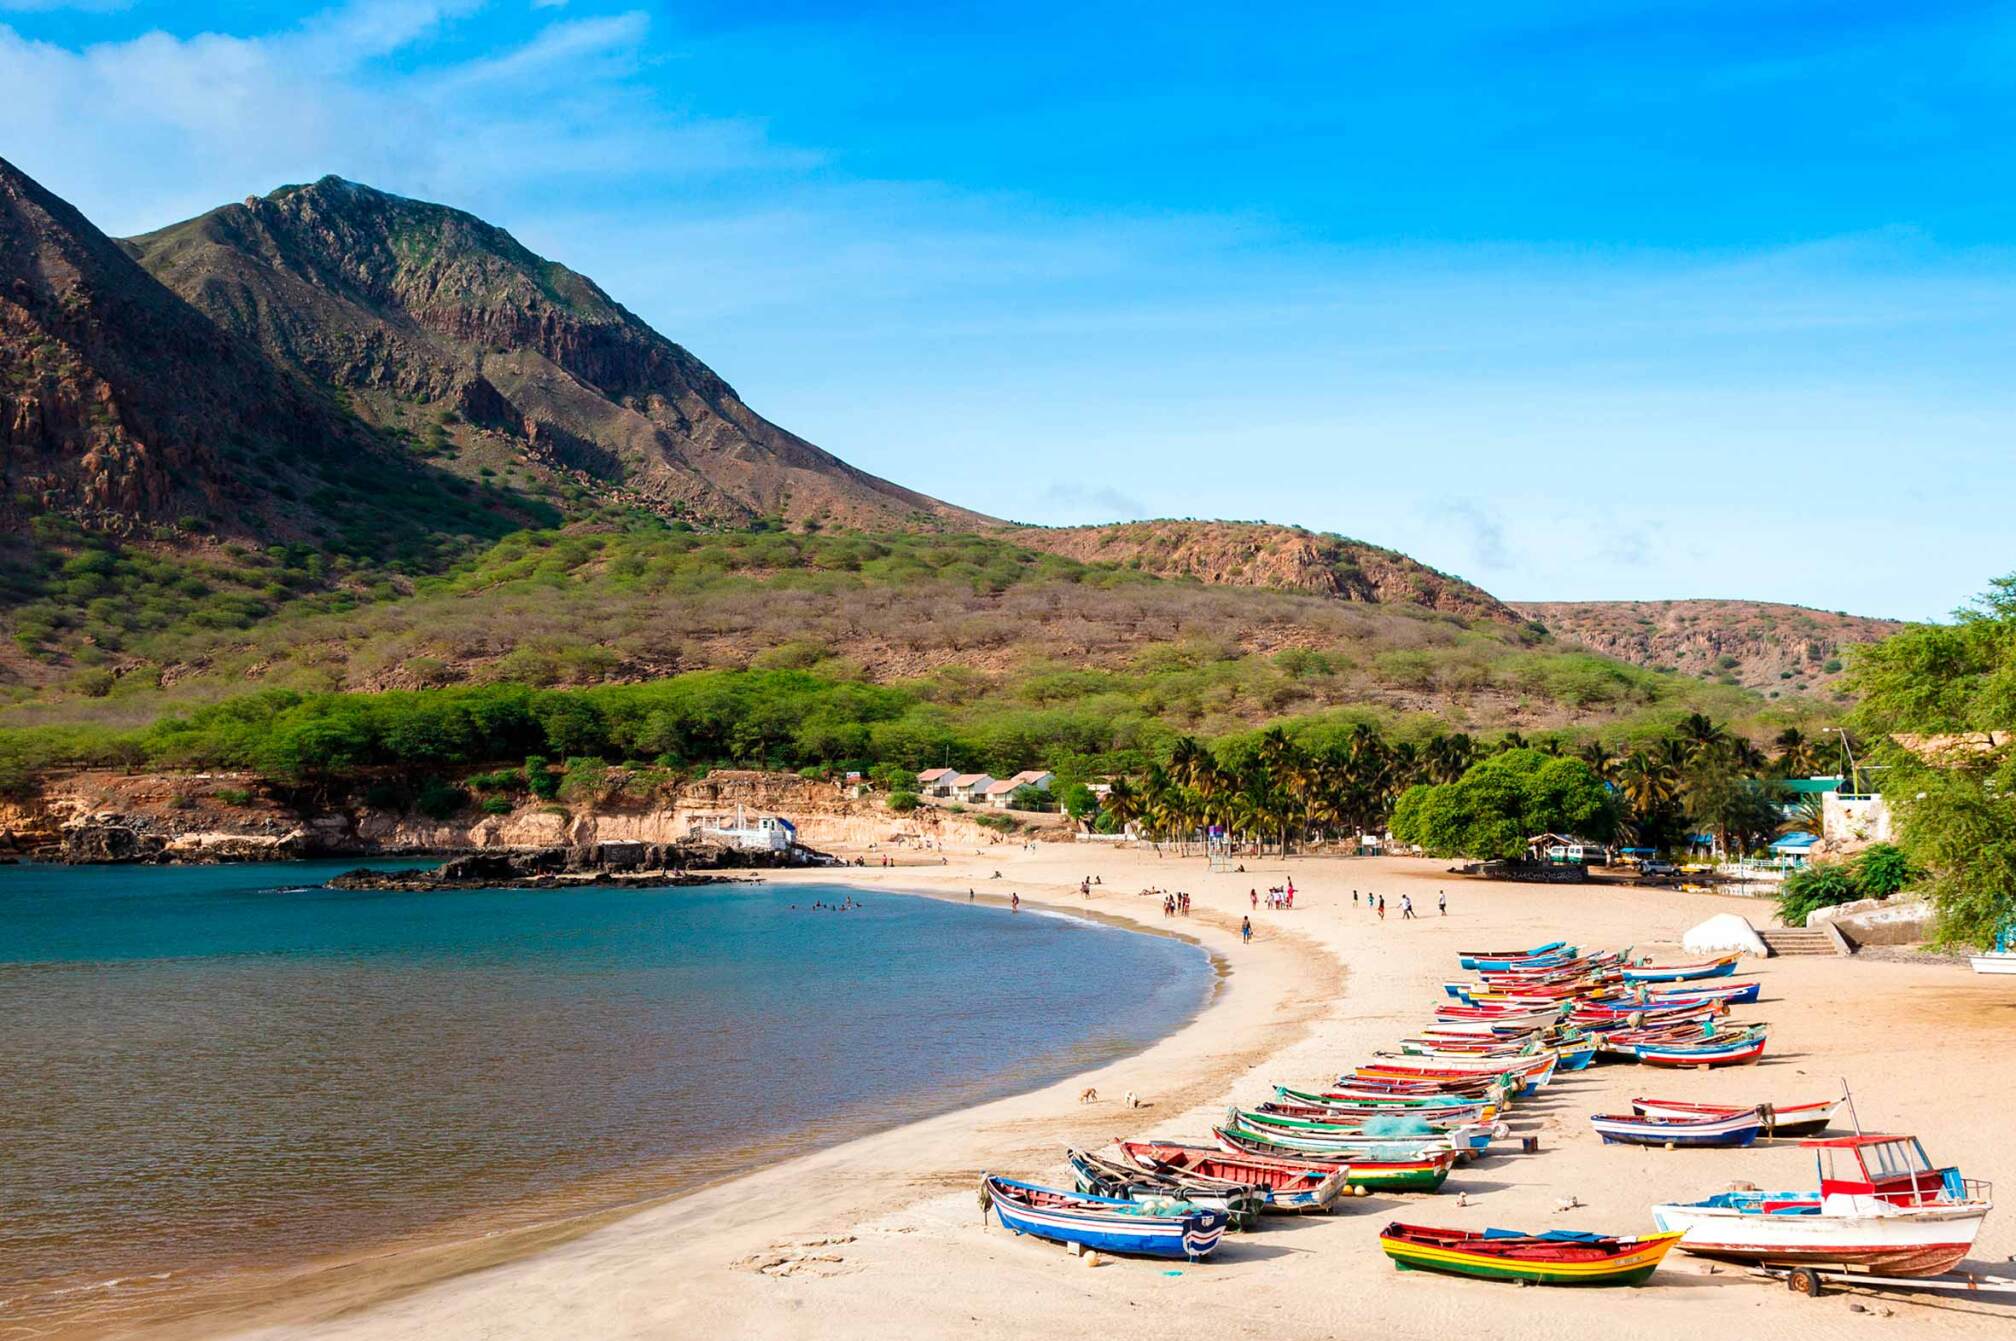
[883,1236]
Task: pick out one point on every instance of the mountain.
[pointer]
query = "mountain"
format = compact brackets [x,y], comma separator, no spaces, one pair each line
[126,412]
[1757,644]
[120,403]
[1257,554]
[425,315]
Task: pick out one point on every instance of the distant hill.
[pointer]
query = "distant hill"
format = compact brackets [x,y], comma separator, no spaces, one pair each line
[1256,554]
[1757,644]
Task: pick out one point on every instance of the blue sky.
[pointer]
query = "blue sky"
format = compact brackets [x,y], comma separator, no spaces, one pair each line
[1578,300]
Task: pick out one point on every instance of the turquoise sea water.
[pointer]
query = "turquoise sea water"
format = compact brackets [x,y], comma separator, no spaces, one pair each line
[204,1070]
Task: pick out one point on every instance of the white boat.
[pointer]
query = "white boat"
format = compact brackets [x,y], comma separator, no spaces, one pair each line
[1995,962]
[1881,1207]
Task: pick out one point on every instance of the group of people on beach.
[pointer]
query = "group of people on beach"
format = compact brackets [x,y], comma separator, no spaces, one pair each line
[1377,904]
[1279,897]
[1176,904]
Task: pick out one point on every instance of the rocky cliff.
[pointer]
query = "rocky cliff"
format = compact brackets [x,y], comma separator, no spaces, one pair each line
[1757,644]
[94,816]
[1256,554]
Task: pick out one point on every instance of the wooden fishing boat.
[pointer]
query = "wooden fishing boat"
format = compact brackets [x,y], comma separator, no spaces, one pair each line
[1721,1130]
[1882,1207]
[1176,1231]
[1557,1257]
[1320,1139]
[1479,959]
[1424,1173]
[1291,1186]
[1375,1102]
[1352,1115]
[1734,994]
[1241,1202]
[1721,967]
[1384,1133]
[1807,1119]
[1740,1053]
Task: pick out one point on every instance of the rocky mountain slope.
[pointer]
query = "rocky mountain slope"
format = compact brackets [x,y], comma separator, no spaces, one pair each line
[427,316]
[119,403]
[1757,644]
[1257,554]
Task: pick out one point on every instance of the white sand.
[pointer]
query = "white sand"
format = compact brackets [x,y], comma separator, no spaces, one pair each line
[883,1238]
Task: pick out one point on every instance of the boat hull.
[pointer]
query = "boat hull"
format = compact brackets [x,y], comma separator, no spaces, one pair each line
[1738,1129]
[1425,1174]
[1632,1265]
[1106,1224]
[1994,963]
[1924,1241]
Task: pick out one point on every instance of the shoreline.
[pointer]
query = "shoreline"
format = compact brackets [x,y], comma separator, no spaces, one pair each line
[881,1233]
[331,1286]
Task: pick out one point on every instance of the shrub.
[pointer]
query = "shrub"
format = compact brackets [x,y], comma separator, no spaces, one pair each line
[1881,869]
[233,796]
[440,800]
[1822,886]
[903,802]
[539,779]
[384,796]
[496,805]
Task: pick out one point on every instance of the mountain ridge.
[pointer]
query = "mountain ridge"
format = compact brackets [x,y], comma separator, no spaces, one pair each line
[1762,645]
[393,300]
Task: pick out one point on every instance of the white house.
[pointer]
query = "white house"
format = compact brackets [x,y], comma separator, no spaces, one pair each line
[750,833]
[969,787]
[935,782]
[1848,817]
[1001,793]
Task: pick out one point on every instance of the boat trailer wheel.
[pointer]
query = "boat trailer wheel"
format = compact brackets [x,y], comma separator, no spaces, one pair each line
[1800,1280]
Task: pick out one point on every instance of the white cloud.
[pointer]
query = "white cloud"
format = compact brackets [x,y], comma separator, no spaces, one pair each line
[141,132]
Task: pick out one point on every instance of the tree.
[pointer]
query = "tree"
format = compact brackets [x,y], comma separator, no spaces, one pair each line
[1939,701]
[1081,804]
[1503,801]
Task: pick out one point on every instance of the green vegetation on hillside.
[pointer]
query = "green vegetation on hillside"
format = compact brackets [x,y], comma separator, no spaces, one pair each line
[979,628]
[1941,700]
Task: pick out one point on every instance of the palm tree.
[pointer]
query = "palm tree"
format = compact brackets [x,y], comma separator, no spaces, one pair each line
[1449,757]
[1798,756]
[1697,732]
[1123,802]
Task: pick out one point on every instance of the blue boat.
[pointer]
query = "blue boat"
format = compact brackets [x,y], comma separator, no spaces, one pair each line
[1740,995]
[1711,968]
[1719,1130]
[1576,1056]
[1140,1228]
[1540,956]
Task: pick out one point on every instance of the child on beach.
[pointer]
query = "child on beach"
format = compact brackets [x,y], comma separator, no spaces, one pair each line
[1246,930]
[1382,907]
[1442,902]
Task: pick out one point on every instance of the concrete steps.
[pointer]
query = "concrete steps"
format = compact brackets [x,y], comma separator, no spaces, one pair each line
[1797,941]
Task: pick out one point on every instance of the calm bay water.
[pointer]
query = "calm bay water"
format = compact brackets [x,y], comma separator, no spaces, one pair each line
[205,1070]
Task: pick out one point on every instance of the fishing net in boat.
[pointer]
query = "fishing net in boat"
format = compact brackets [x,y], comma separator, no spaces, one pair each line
[1397,1125]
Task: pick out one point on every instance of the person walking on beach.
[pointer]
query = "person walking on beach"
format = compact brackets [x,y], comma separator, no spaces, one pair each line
[1014,903]
[1382,907]
[1442,902]
[1354,898]
[1246,930]
[1406,907]
[1253,895]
